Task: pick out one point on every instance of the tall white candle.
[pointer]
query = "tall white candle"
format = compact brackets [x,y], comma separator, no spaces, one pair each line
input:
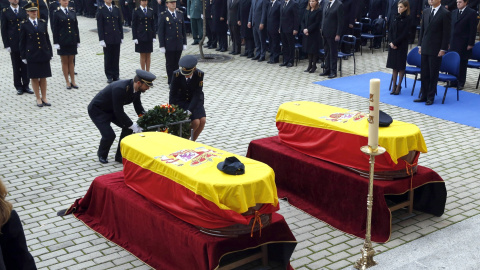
[373,118]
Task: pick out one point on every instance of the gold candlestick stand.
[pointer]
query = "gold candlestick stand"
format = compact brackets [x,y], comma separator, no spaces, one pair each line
[367,250]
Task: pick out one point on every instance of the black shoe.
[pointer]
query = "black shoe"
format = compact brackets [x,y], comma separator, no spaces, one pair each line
[109,81]
[325,73]
[19,91]
[308,69]
[419,100]
[398,91]
[217,49]
[195,43]
[331,76]
[223,50]
[256,57]
[235,53]
[245,54]
[313,70]
[102,160]
[429,102]
[206,46]
[231,52]
[46,103]
[289,65]
[212,47]
[261,59]
[28,91]
[75,86]
[283,64]
[250,56]
[69,87]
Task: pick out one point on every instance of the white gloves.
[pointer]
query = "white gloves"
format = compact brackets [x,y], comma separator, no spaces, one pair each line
[135,41]
[188,112]
[184,47]
[121,41]
[102,43]
[8,49]
[201,16]
[162,49]
[188,16]
[78,45]
[24,61]
[136,128]
[56,46]
[154,40]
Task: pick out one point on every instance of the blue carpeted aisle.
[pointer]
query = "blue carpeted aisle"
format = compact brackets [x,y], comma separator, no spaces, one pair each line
[466,111]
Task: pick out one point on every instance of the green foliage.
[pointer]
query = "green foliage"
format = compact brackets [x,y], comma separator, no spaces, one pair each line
[164,115]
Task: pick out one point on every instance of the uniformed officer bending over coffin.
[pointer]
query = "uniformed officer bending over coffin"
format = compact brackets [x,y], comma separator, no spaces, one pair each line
[12,16]
[107,107]
[172,36]
[110,34]
[186,91]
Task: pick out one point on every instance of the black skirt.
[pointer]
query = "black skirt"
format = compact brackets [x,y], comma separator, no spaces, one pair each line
[144,47]
[67,50]
[397,59]
[39,69]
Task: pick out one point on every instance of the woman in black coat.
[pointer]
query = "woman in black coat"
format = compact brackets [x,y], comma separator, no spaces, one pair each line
[143,33]
[13,246]
[312,40]
[398,42]
[66,39]
[36,52]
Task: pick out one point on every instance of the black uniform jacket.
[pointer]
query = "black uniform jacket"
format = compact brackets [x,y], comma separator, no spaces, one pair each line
[109,25]
[54,5]
[65,28]
[143,26]
[14,246]
[11,27]
[171,32]
[112,99]
[189,97]
[35,43]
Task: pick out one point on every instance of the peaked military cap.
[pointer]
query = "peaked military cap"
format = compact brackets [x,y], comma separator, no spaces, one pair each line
[168,1]
[146,77]
[187,64]
[30,6]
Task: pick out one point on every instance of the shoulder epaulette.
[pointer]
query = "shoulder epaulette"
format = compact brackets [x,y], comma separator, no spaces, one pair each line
[5,10]
[136,8]
[150,8]
[100,7]
[200,73]
[58,8]
[179,11]
[42,20]
[163,12]
[177,73]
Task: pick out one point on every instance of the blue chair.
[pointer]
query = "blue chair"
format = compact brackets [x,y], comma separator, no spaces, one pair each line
[370,36]
[298,47]
[347,48]
[475,56]
[414,61]
[450,65]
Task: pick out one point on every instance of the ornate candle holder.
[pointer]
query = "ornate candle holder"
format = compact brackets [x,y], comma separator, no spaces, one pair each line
[367,250]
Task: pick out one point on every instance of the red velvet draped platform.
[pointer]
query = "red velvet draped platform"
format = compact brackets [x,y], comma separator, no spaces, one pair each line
[160,239]
[338,196]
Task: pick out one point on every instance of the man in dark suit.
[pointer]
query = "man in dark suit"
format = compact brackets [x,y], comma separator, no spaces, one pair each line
[273,24]
[288,30]
[232,19]
[415,14]
[332,26]
[350,9]
[172,36]
[219,17]
[110,34]
[11,18]
[432,43]
[464,30]
[257,20]
[246,32]
[212,36]
[107,107]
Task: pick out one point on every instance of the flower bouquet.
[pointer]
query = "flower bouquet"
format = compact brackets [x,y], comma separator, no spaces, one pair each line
[165,115]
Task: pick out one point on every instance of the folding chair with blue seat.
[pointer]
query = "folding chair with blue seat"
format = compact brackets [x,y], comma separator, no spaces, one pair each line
[450,65]
[298,47]
[347,48]
[372,36]
[475,56]
[414,60]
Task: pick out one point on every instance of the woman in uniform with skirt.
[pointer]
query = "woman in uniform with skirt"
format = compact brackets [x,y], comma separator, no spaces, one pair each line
[312,40]
[398,42]
[66,39]
[143,32]
[36,52]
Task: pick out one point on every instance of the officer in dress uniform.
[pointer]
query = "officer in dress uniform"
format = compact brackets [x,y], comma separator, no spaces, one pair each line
[172,36]
[107,107]
[110,34]
[144,32]
[12,16]
[42,5]
[54,6]
[186,91]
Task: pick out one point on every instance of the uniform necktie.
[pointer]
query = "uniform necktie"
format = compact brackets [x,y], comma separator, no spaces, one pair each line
[15,11]
[173,15]
[35,24]
[145,11]
[66,12]
[110,9]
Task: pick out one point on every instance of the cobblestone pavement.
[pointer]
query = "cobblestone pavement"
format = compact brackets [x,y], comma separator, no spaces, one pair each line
[48,155]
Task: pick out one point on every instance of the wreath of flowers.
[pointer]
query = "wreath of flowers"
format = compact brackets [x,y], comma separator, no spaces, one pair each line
[165,114]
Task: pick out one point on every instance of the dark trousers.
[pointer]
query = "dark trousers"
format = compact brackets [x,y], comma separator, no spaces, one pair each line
[79,6]
[430,68]
[249,46]
[236,40]
[222,36]
[111,57]
[171,62]
[260,38]
[20,76]
[462,71]
[102,121]
[211,34]
[288,47]
[274,44]
[197,29]
[331,54]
